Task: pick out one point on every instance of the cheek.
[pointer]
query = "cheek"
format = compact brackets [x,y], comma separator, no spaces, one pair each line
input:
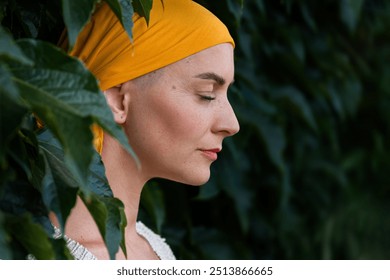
[158,124]
[178,120]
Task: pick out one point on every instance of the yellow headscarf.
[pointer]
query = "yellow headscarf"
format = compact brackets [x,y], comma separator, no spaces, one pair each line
[177,29]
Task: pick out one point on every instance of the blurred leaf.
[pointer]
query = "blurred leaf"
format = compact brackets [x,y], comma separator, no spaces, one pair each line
[124,11]
[352,96]
[296,99]
[19,197]
[234,185]
[10,50]
[76,15]
[23,150]
[31,235]
[298,48]
[5,250]
[66,97]
[215,245]
[308,18]
[236,9]
[350,11]
[271,134]
[11,110]
[335,99]
[60,249]
[142,8]
[210,189]
[153,201]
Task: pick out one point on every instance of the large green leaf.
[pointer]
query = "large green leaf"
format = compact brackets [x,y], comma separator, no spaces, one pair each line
[76,15]
[59,192]
[108,213]
[65,95]
[59,189]
[124,11]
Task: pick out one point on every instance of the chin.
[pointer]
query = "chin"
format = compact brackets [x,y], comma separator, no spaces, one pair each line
[195,179]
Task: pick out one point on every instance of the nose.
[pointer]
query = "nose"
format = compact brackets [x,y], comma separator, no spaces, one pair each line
[226,120]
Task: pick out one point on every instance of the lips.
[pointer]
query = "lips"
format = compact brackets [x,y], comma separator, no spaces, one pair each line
[210,153]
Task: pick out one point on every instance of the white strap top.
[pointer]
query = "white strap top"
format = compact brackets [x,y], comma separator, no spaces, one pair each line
[158,244]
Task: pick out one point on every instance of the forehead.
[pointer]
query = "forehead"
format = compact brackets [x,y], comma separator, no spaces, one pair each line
[218,59]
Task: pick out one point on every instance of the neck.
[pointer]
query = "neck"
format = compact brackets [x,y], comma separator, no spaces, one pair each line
[126,181]
[125,178]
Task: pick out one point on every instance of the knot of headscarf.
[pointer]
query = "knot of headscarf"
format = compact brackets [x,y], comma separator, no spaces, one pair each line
[177,29]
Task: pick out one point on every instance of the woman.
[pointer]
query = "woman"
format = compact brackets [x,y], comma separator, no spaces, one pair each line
[168,90]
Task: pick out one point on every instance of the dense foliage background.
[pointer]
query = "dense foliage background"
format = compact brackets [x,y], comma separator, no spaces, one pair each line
[306,177]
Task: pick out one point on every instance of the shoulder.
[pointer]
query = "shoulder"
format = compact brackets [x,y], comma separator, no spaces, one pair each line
[158,244]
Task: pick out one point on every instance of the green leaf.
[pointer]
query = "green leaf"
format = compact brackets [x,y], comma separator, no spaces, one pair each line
[352,96]
[11,110]
[5,251]
[22,150]
[308,17]
[236,9]
[60,249]
[215,243]
[335,98]
[210,190]
[270,133]
[124,12]
[296,100]
[142,8]
[153,201]
[109,216]
[234,185]
[76,15]
[31,235]
[65,95]
[350,11]
[10,50]
[8,89]
[59,189]
[97,181]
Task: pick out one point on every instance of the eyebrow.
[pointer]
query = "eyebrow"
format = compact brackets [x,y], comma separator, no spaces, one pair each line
[212,76]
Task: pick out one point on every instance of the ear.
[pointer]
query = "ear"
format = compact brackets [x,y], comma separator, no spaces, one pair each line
[118,100]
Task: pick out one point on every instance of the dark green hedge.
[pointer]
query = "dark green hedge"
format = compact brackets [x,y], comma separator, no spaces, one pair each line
[307,175]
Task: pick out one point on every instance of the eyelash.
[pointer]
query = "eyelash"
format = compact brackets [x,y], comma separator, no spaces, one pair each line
[207,98]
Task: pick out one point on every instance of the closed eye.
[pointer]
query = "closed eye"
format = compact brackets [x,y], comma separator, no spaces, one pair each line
[207,97]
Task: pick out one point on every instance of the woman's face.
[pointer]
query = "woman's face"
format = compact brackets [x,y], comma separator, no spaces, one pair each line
[176,123]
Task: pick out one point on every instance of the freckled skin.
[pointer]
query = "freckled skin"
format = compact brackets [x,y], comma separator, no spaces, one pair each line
[169,119]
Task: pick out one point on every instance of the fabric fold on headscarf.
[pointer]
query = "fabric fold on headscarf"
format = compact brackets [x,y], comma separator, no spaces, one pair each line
[176,30]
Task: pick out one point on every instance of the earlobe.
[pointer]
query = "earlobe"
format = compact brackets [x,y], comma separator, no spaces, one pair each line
[117,100]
